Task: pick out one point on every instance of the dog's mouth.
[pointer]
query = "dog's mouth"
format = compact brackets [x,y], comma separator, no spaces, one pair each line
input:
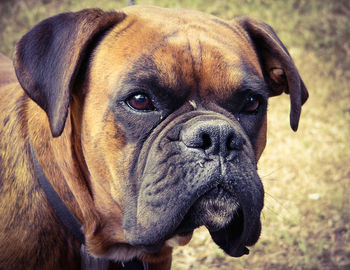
[220,212]
[224,217]
[230,210]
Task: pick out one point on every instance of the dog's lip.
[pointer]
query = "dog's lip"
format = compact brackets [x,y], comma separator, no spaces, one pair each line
[241,232]
[229,237]
[235,237]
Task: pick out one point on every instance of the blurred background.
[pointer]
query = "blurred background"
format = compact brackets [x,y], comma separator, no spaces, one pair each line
[306,219]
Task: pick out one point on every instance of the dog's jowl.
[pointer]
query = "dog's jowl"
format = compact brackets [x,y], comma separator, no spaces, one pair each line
[122,132]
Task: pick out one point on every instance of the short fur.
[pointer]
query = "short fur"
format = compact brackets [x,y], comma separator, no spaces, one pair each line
[138,181]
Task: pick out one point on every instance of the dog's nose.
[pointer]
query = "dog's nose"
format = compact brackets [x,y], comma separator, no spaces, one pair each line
[215,137]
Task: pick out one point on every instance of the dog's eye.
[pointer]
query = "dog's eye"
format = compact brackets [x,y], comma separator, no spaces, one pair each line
[251,105]
[140,102]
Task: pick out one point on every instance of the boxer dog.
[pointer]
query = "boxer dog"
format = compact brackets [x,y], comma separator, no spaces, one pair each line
[145,124]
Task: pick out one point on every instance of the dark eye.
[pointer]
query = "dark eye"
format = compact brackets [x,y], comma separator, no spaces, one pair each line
[251,105]
[140,102]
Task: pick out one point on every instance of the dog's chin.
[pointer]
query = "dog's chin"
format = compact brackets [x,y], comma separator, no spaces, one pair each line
[220,212]
[215,210]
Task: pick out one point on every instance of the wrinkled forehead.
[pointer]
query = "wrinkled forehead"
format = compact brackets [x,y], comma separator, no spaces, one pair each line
[182,49]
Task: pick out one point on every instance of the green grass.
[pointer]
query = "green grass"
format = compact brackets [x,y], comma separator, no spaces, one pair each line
[306,219]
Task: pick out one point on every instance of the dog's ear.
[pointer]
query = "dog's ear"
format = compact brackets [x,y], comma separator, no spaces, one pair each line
[278,67]
[48,58]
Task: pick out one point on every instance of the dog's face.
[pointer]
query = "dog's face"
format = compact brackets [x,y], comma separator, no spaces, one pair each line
[180,126]
[173,122]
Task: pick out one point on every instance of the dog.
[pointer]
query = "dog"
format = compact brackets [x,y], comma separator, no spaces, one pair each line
[146,123]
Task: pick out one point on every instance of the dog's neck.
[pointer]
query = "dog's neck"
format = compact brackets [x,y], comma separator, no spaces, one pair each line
[67,218]
[59,151]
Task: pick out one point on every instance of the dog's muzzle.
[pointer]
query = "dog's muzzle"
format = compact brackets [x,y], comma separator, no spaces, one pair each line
[198,169]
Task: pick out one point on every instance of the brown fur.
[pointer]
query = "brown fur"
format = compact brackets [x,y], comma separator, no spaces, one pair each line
[32,237]
[85,153]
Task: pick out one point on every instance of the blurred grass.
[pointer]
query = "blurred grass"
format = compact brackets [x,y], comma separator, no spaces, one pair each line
[306,219]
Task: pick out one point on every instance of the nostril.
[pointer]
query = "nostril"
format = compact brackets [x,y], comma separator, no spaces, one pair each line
[206,141]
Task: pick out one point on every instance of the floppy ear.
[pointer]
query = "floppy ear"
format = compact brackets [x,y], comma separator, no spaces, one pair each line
[278,67]
[48,58]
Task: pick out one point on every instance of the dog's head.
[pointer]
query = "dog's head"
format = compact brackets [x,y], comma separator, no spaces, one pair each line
[171,119]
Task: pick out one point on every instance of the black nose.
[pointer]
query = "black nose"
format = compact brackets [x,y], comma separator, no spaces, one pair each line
[216,137]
